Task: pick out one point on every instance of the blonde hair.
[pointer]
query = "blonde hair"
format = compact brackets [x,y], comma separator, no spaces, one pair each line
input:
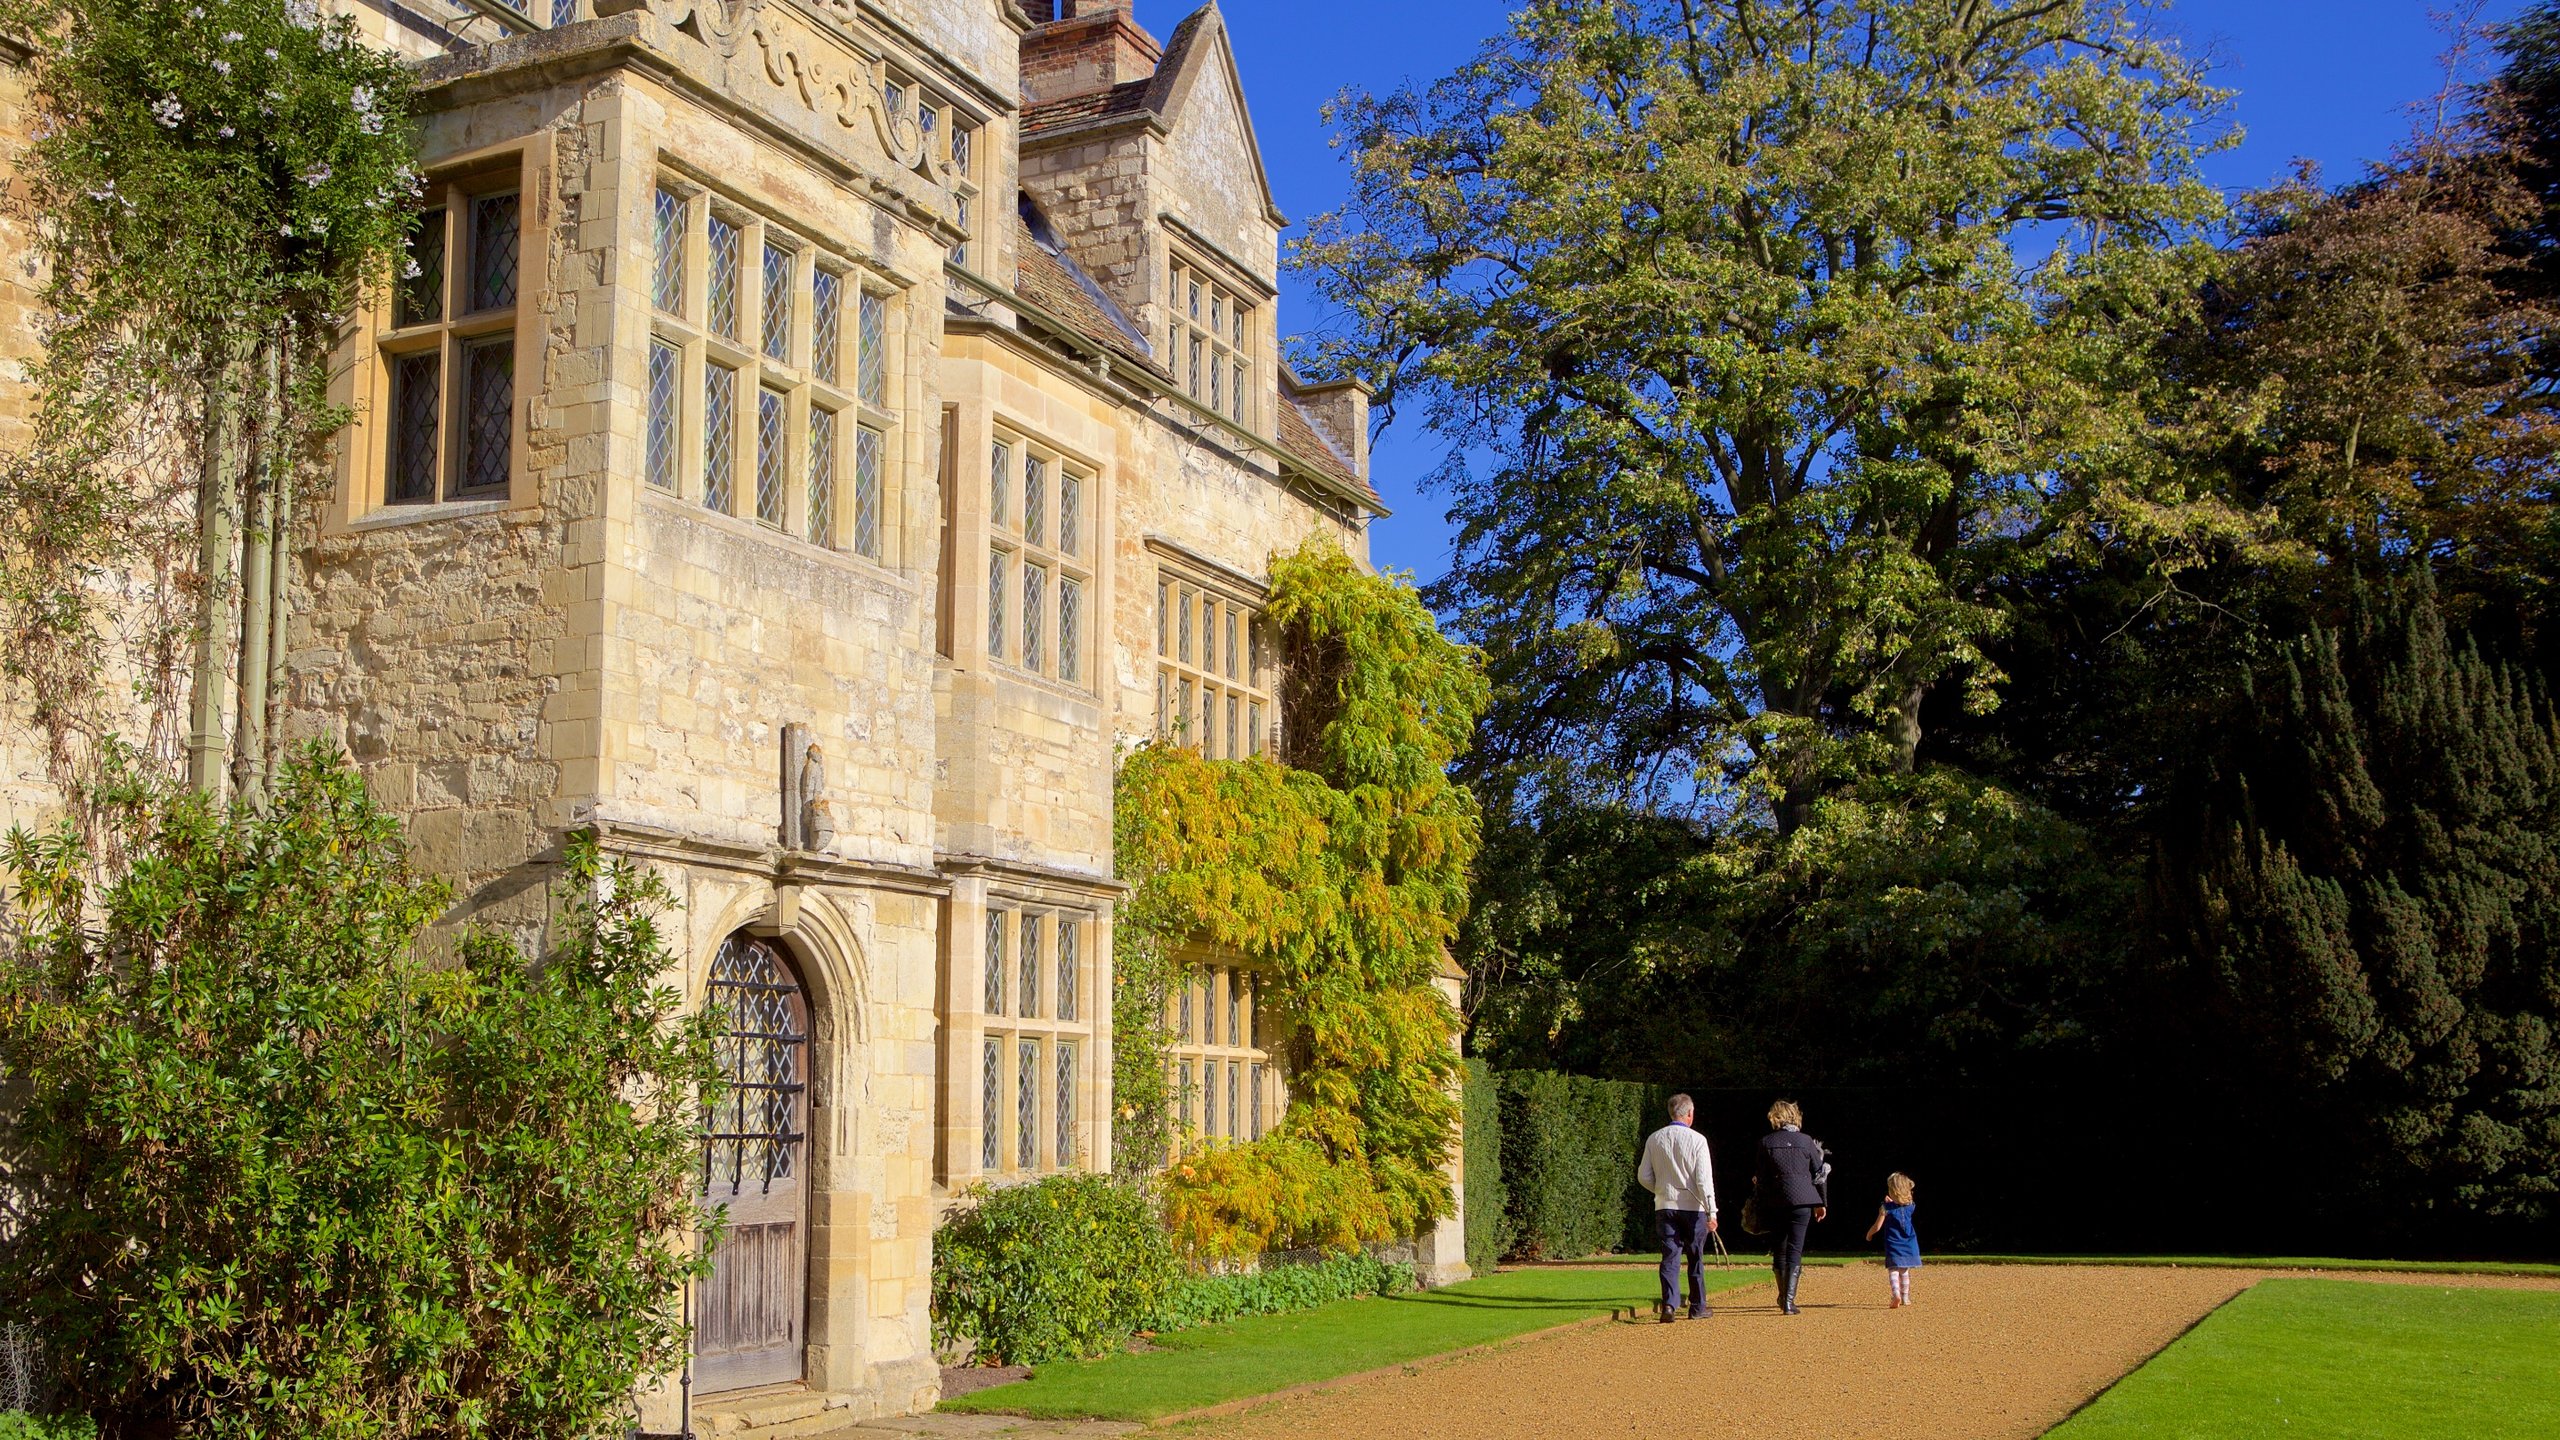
[1786,1112]
[1897,1188]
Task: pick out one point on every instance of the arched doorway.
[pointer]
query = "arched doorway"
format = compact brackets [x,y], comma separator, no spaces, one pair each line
[755,1149]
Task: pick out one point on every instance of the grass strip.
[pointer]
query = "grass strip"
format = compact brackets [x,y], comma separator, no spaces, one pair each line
[2266,1262]
[1214,1364]
[2346,1361]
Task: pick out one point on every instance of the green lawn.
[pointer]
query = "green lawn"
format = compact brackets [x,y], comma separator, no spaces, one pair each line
[2344,1360]
[1263,1353]
[2264,1262]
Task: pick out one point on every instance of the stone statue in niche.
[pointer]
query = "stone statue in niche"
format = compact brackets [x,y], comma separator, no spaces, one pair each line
[808,818]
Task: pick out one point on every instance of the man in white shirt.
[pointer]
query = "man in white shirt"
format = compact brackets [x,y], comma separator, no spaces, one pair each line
[1677,1169]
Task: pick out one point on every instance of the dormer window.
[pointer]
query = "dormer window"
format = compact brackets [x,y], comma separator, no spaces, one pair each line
[1208,332]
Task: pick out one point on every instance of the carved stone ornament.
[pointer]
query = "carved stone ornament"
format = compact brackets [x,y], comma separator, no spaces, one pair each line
[720,24]
[845,89]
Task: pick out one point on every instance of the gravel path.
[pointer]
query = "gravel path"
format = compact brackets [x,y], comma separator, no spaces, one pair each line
[1986,1351]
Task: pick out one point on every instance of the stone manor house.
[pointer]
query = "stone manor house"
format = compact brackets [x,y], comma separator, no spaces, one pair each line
[821,435]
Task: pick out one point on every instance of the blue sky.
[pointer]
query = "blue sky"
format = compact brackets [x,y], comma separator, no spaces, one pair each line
[2325,79]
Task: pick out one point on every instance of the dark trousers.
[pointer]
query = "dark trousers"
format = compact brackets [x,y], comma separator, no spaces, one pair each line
[1683,1232]
[1786,1240]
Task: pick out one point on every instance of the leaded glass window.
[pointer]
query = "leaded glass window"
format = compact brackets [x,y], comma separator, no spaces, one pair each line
[416,406]
[999,470]
[1231,751]
[1235,1008]
[1067,947]
[666,270]
[753,1135]
[719,437]
[725,260]
[1235,1074]
[1066,1093]
[995,962]
[1070,630]
[773,455]
[1209,333]
[867,446]
[1026,1106]
[1189,1088]
[995,601]
[826,325]
[564,12]
[822,475]
[1182,633]
[1256,1099]
[1070,515]
[991,1106]
[664,361]
[1226,724]
[421,297]
[1029,1008]
[1035,594]
[775,318]
[493,251]
[874,357]
[489,371]
[1035,486]
[1186,1026]
[1252,1018]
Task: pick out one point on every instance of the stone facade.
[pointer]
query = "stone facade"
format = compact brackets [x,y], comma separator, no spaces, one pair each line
[790,468]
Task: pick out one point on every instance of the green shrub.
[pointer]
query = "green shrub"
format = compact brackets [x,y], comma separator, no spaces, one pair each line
[18,1425]
[1488,1225]
[280,1176]
[1569,1152]
[1233,1202]
[1278,1289]
[1057,1269]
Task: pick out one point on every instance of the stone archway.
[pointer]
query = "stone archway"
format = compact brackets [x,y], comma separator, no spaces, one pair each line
[750,1316]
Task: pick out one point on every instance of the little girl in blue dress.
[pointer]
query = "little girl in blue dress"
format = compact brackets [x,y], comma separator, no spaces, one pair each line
[1901,1242]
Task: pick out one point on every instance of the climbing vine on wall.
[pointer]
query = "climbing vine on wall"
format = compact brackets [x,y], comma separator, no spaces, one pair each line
[216,187]
[1340,875]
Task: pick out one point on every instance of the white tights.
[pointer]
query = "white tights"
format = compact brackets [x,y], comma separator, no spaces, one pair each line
[1901,1283]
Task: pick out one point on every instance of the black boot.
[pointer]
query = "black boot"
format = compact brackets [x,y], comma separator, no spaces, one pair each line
[1795,1282]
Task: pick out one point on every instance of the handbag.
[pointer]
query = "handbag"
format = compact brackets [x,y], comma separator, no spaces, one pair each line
[1752,1224]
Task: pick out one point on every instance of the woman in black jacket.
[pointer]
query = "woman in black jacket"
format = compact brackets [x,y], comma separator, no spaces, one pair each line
[1793,1188]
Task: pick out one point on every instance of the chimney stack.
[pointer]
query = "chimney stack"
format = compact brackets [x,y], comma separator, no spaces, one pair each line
[1087,47]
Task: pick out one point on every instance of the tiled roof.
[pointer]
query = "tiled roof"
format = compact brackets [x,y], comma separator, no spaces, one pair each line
[1300,436]
[1127,98]
[1050,280]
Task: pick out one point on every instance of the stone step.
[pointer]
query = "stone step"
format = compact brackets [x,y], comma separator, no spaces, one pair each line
[775,1414]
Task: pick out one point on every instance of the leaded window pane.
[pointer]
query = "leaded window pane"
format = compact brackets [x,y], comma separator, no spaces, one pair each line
[1035,590]
[1235,1078]
[1253,728]
[761,1043]
[1035,499]
[1026,1107]
[826,326]
[1195,299]
[421,298]
[962,137]
[1235,1008]
[489,371]
[725,243]
[995,602]
[999,473]
[1208,721]
[1182,636]
[1067,961]
[1232,667]
[995,962]
[493,251]
[991,1106]
[1070,630]
[968,226]
[666,273]
[874,359]
[719,437]
[773,455]
[1256,1098]
[1252,1019]
[1164,613]
[564,12]
[1232,708]
[1217,386]
[822,475]
[1182,703]
[1070,514]
[867,447]
[775,317]
[1030,994]
[664,361]
[417,382]
[1189,1086]
[1185,1026]
[1235,394]
[1237,315]
[1196,354]
[1066,1093]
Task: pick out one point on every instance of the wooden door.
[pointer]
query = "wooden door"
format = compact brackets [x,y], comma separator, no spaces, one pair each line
[748,1315]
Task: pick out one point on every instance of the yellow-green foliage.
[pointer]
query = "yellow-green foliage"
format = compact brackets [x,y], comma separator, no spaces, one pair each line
[1341,876]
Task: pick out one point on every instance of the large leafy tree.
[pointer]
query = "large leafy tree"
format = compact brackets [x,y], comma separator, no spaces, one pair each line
[1767,335]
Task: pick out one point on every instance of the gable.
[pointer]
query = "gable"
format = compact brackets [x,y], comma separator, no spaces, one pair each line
[1213,177]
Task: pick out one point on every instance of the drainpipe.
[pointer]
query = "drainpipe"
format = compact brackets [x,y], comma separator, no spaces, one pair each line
[216,529]
[257,590]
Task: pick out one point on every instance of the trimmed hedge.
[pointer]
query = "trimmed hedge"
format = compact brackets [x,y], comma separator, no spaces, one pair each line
[1487,1199]
[1569,1147]
[1278,1288]
[1057,1269]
